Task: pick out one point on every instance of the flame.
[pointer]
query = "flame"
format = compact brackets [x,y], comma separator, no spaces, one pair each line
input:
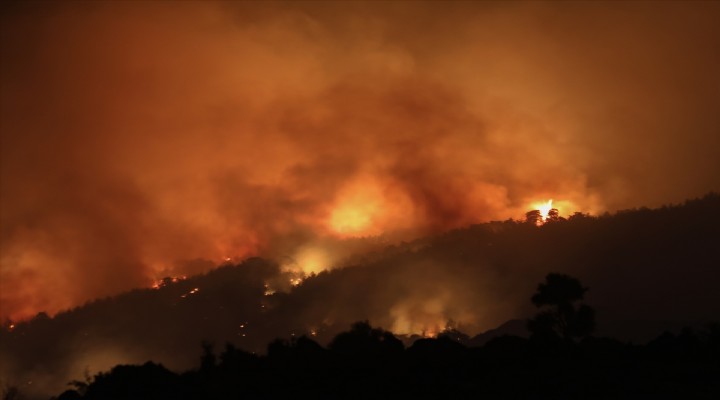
[268,290]
[545,208]
[564,207]
[167,281]
[194,291]
[433,331]
[296,281]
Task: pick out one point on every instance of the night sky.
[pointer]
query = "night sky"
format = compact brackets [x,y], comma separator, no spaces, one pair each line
[151,139]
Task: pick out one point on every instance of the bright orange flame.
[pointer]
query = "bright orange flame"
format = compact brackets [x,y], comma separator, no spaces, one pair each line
[268,290]
[432,332]
[545,209]
[564,207]
[166,281]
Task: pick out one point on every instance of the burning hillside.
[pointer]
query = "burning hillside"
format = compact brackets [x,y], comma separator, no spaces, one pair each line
[465,280]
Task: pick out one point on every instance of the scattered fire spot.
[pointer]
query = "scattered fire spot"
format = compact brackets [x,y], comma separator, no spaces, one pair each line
[167,281]
[194,291]
[268,290]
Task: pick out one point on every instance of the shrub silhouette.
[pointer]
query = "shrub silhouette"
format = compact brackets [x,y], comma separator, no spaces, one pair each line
[367,362]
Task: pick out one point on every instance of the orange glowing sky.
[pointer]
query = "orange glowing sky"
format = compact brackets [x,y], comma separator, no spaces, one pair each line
[146,139]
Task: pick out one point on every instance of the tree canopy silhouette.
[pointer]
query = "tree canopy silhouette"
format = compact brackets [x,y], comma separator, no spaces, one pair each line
[364,340]
[559,316]
[533,217]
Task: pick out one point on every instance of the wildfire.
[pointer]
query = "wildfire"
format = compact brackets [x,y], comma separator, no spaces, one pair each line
[195,290]
[424,317]
[432,332]
[350,220]
[268,290]
[309,259]
[553,209]
[544,209]
[359,209]
[167,281]
[295,281]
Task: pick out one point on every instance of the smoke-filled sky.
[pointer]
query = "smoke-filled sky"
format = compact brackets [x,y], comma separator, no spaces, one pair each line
[141,139]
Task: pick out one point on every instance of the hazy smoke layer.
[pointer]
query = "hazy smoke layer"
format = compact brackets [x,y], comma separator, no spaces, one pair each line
[140,139]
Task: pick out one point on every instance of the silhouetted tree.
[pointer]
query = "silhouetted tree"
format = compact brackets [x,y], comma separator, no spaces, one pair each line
[533,217]
[70,395]
[579,215]
[208,359]
[80,386]
[560,316]
[147,381]
[370,363]
[553,215]
[364,340]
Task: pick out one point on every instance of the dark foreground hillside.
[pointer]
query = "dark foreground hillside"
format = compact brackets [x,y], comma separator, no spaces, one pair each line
[367,363]
[648,271]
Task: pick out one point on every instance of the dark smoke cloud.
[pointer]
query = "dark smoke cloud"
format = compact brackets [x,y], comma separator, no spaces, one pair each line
[139,139]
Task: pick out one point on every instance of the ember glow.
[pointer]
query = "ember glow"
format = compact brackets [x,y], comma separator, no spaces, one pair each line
[268,290]
[149,139]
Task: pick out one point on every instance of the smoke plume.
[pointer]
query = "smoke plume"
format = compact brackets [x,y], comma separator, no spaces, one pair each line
[141,140]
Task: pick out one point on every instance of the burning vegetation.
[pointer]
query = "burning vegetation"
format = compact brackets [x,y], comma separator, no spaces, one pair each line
[464,280]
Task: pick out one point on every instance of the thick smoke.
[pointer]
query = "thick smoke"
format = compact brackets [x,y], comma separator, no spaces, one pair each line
[147,139]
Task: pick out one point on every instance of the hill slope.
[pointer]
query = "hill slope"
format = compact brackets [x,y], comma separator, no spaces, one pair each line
[645,268]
